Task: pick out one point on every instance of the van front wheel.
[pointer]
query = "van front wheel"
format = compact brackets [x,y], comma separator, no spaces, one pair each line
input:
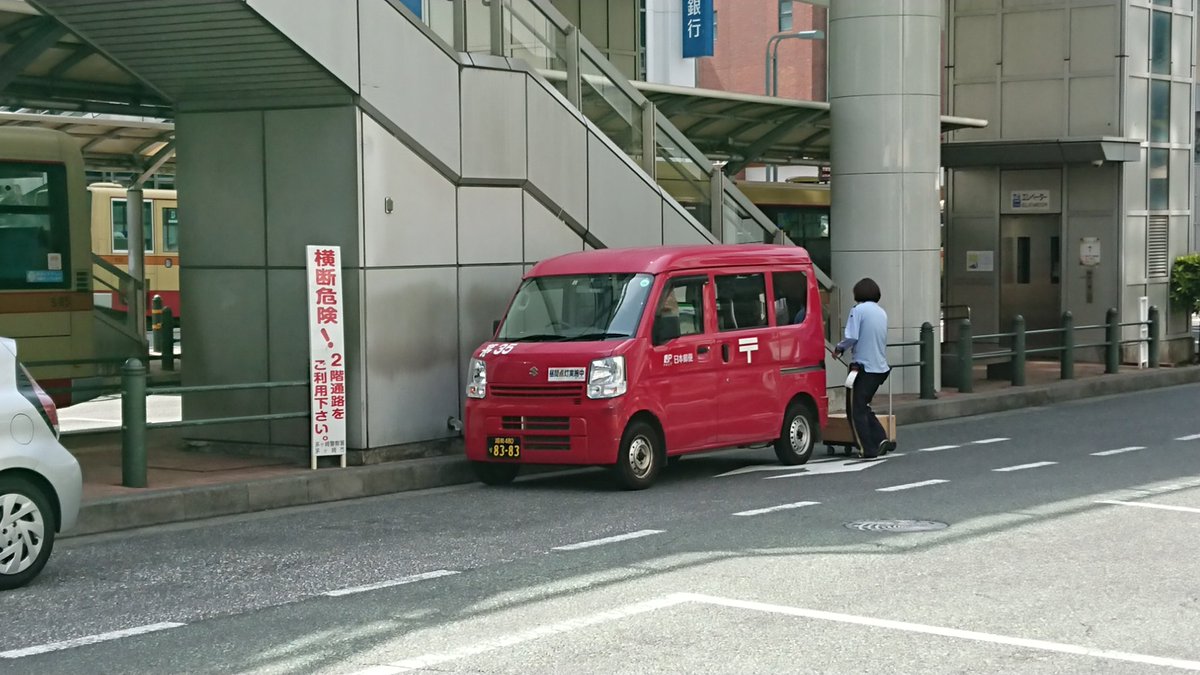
[798,436]
[639,459]
[495,473]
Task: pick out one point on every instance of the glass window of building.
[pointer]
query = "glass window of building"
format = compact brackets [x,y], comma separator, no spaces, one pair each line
[1160,43]
[785,15]
[1160,111]
[1159,178]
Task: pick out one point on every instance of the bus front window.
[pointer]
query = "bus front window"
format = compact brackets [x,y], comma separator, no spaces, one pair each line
[34,230]
[577,307]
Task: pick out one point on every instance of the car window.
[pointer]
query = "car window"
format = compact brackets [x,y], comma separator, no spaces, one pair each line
[741,301]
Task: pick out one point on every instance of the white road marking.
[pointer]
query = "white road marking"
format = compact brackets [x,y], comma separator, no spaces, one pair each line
[1020,467]
[841,466]
[938,448]
[976,636]
[1164,507]
[607,540]
[88,640]
[1106,453]
[771,509]
[989,441]
[388,584]
[753,468]
[484,646]
[676,599]
[1193,437]
[909,486]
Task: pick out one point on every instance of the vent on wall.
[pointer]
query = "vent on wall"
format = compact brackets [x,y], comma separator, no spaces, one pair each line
[1157,236]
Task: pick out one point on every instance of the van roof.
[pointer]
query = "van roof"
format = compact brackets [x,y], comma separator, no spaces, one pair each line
[659,259]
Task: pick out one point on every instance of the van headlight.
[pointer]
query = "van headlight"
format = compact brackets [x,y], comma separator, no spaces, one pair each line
[477,379]
[606,378]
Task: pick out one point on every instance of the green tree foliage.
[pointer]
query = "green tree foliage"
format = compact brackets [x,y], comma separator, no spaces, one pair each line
[1185,283]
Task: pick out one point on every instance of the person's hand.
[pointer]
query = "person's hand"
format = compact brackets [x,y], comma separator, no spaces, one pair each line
[837,353]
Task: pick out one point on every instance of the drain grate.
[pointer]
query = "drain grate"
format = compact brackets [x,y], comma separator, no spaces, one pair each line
[896,525]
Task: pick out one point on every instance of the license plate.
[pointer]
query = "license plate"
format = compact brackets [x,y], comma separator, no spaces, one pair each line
[504,447]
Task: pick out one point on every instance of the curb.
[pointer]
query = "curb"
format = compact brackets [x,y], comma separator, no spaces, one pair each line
[186,504]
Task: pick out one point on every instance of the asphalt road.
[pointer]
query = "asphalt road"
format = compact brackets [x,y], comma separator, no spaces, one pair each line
[1069,545]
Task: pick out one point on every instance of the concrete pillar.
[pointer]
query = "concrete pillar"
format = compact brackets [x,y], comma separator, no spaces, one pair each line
[884,95]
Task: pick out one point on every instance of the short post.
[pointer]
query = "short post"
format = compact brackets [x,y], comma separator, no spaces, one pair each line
[1112,342]
[156,310]
[133,424]
[1018,358]
[966,373]
[168,343]
[1155,332]
[927,365]
[1067,365]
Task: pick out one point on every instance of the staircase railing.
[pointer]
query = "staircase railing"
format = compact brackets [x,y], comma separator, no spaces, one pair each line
[116,280]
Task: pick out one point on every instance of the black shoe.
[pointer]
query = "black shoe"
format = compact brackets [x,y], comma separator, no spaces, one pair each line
[886,446]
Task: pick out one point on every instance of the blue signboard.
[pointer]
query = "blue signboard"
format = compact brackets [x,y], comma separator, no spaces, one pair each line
[414,5]
[697,28]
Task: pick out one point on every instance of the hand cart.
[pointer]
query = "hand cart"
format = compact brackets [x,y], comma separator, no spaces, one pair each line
[839,434]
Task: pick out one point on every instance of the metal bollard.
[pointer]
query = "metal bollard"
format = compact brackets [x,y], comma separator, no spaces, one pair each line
[966,374]
[1067,365]
[1112,342]
[156,310]
[927,365]
[133,424]
[168,344]
[1155,328]
[1018,359]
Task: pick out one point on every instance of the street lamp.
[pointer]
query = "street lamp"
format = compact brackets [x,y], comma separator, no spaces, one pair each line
[771,64]
[771,67]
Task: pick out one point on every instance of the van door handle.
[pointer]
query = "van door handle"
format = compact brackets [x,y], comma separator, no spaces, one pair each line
[702,349]
[725,353]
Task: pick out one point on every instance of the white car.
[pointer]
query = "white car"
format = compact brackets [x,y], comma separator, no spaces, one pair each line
[40,482]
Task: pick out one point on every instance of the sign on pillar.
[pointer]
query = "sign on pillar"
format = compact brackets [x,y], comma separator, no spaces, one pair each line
[326,348]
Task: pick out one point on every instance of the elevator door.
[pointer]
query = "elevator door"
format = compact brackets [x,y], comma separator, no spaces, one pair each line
[1031,275]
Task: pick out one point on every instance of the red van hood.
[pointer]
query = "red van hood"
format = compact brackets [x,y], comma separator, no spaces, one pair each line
[532,362]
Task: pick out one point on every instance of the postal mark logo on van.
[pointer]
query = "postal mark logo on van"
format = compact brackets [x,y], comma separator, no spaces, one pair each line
[500,348]
[566,374]
[748,346]
[676,359]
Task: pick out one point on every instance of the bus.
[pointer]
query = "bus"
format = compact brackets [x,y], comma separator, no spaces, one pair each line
[110,242]
[45,256]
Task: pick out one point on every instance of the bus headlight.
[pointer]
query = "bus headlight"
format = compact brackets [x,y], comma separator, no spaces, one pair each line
[606,378]
[477,379]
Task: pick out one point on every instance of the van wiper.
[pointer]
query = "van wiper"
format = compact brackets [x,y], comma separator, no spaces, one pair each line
[596,336]
[538,337]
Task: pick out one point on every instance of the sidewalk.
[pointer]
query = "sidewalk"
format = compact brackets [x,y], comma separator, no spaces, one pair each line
[188,485]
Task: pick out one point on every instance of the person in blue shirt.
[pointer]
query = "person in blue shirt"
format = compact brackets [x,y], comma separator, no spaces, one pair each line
[866,337]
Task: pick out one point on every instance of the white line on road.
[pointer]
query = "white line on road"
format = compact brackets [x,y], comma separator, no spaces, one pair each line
[1106,453]
[989,441]
[1020,467]
[88,640]
[1193,437]
[1164,507]
[949,632]
[771,509]
[607,540]
[388,584]
[909,486]
[938,448]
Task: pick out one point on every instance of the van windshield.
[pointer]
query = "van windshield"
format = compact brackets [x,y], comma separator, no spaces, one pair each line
[582,307]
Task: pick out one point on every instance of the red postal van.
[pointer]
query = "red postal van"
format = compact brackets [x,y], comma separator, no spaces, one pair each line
[625,357]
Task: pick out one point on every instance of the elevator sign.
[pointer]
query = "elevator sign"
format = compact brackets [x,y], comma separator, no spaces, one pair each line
[1030,200]
[697,28]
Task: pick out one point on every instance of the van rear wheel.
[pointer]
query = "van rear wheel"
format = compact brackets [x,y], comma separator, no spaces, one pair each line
[640,457]
[495,473]
[798,436]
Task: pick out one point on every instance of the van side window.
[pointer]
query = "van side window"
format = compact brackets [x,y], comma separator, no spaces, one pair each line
[681,310]
[741,301]
[791,297]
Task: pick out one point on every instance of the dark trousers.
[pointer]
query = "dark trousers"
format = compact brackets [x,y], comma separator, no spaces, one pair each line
[867,430]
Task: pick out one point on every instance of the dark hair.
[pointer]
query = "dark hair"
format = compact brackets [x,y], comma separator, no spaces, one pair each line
[866,290]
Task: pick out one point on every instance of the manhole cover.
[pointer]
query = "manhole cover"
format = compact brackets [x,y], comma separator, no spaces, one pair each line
[896,525]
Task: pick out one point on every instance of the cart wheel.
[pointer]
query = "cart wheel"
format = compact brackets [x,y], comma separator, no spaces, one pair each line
[848,450]
[829,450]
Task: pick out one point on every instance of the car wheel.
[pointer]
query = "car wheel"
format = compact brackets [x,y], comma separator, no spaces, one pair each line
[495,473]
[640,457]
[798,436]
[26,531]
